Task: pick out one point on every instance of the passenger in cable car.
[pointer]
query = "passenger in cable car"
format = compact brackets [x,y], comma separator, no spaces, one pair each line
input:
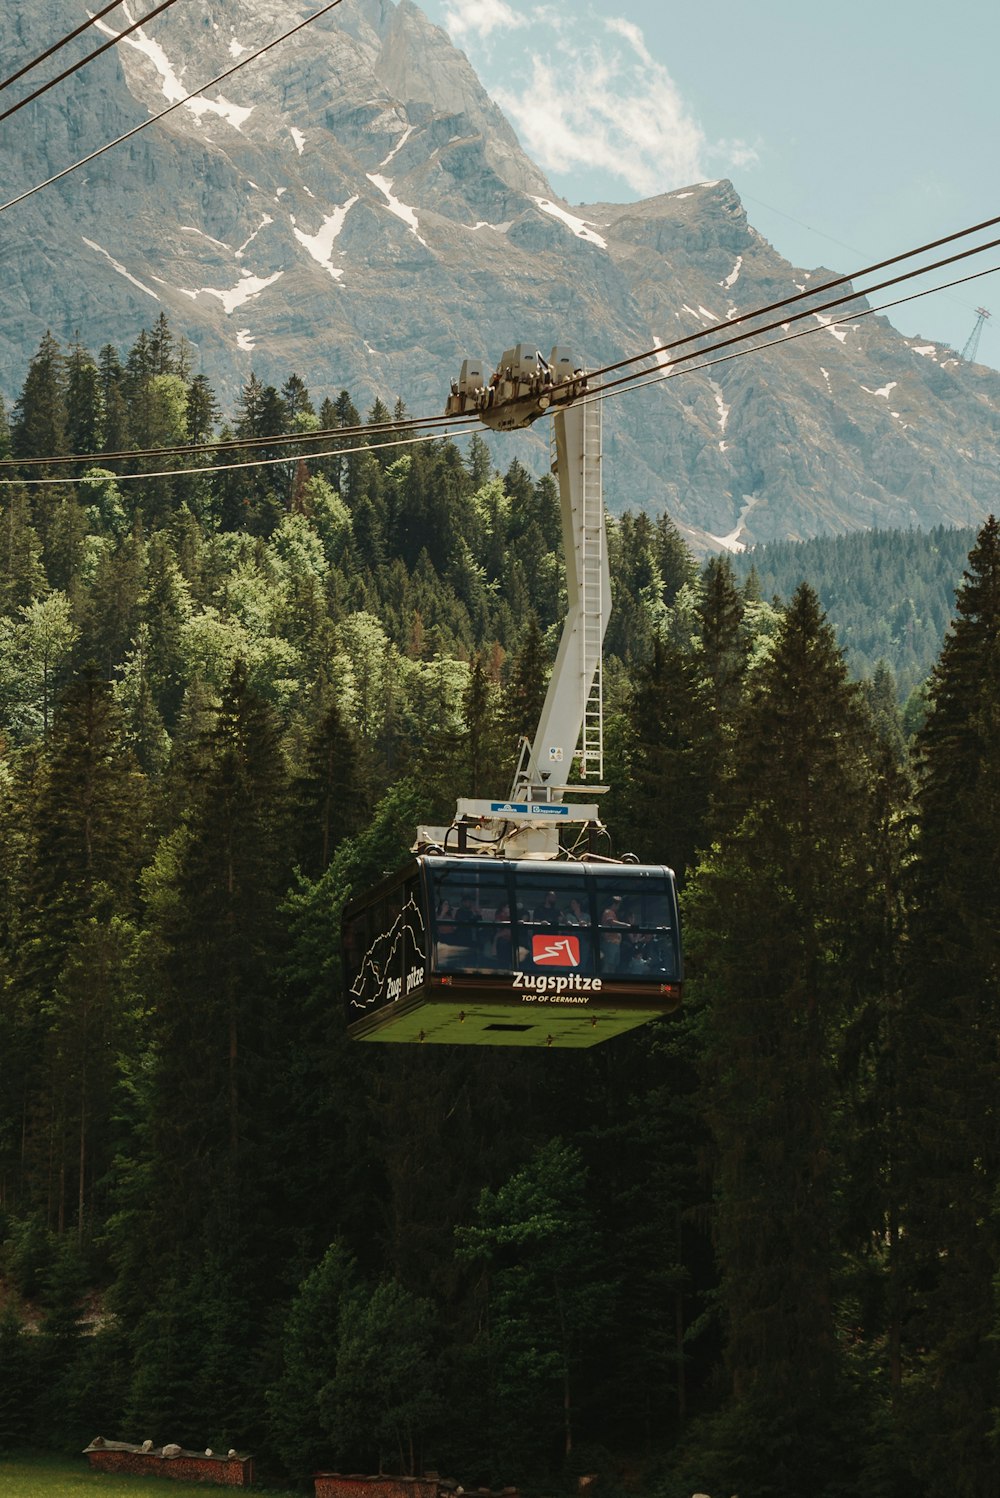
[445,918]
[548,913]
[612,926]
[576,915]
[467,918]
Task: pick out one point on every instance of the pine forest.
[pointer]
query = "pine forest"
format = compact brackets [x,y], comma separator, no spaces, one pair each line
[751,1248]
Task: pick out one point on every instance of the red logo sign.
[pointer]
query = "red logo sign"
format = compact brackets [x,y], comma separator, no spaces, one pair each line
[555,951]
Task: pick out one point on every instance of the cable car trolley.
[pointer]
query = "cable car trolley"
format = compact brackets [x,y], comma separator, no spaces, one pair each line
[522,388]
[513,925]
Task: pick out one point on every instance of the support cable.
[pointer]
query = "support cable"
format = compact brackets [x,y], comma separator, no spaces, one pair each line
[644,378]
[83,61]
[800,296]
[242,444]
[195,473]
[797,316]
[445,423]
[638,381]
[57,46]
[154,118]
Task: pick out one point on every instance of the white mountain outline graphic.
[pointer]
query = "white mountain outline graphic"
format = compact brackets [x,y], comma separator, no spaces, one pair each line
[378,967]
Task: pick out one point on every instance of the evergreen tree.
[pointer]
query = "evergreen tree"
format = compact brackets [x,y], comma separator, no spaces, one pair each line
[951,1025]
[725,648]
[22,577]
[330,800]
[525,691]
[671,758]
[72,975]
[84,414]
[537,1240]
[772,915]
[215,923]
[114,407]
[39,426]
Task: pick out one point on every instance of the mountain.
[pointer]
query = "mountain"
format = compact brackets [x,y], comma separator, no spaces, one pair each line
[353,207]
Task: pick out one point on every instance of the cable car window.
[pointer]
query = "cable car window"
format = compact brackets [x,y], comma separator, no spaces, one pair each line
[471,917]
[637,936]
[554,922]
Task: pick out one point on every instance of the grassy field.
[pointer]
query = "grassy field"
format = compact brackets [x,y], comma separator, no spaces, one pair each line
[61,1477]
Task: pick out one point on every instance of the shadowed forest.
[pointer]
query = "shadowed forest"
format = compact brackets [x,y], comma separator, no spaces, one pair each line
[750,1248]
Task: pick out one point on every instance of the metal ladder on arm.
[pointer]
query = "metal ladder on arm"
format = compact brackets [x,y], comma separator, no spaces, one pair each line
[592,593]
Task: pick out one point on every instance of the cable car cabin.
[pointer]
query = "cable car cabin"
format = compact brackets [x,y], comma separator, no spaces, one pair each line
[487,951]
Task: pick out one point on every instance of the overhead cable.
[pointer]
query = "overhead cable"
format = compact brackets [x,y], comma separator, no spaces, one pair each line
[782,322]
[362,433]
[83,61]
[623,386]
[56,46]
[241,444]
[154,118]
[195,473]
[800,296]
[644,378]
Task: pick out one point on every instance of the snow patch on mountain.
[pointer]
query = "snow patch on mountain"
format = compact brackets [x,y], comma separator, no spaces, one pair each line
[733,274]
[247,287]
[579,226]
[267,219]
[116,265]
[401,142]
[721,408]
[320,245]
[731,541]
[190,229]
[172,88]
[401,210]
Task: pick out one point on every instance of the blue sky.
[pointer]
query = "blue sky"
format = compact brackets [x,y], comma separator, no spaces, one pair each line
[851,132]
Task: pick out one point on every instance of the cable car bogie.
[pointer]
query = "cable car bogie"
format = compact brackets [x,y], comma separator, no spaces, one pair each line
[521,389]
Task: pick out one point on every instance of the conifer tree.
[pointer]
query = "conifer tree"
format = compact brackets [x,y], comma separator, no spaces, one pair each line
[771,919]
[114,408]
[951,1028]
[22,577]
[725,648]
[87,842]
[39,425]
[329,794]
[670,762]
[481,712]
[84,414]
[524,693]
[215,924]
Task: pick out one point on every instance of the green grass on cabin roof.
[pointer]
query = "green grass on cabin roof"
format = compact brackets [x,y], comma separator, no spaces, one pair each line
[64,1477]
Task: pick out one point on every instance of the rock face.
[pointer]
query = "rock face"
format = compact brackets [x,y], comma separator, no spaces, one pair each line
[354,208]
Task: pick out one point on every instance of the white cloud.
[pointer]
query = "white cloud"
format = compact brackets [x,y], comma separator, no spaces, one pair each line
[464,22]
[587,94]
[607,104]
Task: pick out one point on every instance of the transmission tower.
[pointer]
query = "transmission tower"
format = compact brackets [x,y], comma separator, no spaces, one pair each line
[972,344]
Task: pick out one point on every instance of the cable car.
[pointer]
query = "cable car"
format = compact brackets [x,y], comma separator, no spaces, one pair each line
[467,950]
